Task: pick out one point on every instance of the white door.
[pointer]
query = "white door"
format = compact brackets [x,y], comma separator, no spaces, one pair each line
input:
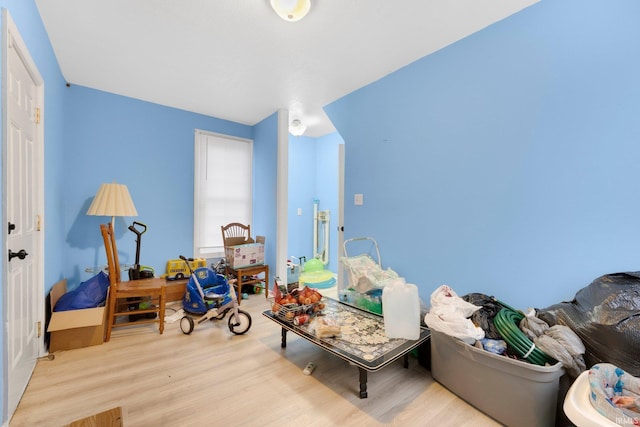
[24,294]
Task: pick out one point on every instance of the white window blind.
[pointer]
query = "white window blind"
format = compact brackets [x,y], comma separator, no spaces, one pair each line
[222,188]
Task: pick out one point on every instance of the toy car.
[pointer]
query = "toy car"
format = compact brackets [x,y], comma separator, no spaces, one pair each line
[177,268]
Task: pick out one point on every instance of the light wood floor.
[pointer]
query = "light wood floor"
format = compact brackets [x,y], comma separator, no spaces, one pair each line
[213,377]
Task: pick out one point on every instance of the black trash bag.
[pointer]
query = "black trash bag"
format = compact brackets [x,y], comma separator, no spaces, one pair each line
[484,317]
[606,317]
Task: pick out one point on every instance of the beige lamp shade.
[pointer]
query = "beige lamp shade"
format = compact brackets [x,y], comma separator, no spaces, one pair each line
[112,200]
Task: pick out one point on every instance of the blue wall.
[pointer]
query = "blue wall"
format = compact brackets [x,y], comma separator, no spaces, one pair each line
[265,174]
[149,148]
[302,191]
[506,163]
[313,174]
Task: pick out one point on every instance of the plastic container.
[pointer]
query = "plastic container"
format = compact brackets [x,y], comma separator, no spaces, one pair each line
[347,295]
[401,310]
[319,279]
[293,273]
[513,392]
[294,269]
[578,407]
[369,302]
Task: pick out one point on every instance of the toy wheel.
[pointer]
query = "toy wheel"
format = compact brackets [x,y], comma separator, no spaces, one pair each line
[240,324]
[187,325]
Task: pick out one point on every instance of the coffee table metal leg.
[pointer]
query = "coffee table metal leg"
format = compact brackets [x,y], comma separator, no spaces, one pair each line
[406,361]
[283,344]
[363,383]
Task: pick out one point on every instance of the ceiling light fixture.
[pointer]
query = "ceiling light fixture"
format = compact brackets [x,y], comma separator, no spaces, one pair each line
[291,10]
[297,128]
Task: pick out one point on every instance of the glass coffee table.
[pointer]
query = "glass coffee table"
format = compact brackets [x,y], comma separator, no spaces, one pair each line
[362,341]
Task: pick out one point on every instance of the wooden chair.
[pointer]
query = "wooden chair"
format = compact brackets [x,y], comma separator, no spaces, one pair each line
[125,298]
[240,234]
[236,234]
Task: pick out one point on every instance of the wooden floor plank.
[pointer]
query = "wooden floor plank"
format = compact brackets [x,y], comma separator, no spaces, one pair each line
[110,418]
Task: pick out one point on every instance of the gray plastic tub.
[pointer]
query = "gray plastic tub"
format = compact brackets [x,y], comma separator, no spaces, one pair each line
[513,392]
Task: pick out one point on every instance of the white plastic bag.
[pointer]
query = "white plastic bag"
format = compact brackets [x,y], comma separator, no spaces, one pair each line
[365,274]
[449,314]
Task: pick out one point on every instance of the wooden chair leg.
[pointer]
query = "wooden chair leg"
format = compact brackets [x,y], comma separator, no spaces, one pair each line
[239,283]
[110,317]
[161,313]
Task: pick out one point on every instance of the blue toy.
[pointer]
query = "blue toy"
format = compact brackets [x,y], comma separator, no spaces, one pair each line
[210,282]
[209,294]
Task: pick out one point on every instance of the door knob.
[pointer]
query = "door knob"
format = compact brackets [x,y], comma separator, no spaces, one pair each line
[22,254]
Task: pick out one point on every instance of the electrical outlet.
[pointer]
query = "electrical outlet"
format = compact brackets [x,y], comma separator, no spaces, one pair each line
[358,199]
[299,211]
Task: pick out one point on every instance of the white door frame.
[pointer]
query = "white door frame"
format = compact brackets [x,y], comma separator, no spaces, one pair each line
[340,252]
[11,35]
[282,196]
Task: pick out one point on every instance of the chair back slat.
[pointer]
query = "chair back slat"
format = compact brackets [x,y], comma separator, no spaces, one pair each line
[113,262]
[236,234]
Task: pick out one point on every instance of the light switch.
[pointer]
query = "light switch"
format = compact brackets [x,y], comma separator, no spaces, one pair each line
[358,199]
[299,211]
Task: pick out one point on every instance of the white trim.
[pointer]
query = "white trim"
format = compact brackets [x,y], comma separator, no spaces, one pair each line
[282,195]
[340,252]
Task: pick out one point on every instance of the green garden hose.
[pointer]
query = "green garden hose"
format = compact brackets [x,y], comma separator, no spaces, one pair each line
[506,322]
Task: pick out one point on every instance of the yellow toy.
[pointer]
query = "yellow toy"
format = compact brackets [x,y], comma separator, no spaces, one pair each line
[177,268]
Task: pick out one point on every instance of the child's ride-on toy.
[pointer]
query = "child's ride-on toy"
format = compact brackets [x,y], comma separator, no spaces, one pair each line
[209,294]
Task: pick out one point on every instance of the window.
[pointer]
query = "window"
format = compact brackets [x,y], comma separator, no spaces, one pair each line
[222,188]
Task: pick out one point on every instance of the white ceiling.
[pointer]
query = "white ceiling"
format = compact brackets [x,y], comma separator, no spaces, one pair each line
[237,60]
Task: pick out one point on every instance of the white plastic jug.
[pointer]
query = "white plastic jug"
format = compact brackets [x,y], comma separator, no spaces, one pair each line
[401,310]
